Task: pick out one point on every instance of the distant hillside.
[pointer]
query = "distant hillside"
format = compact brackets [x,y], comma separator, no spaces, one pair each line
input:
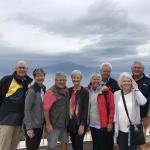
[68,67]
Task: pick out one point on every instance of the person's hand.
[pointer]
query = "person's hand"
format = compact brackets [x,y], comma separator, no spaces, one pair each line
[49,128]
[30,133]
[134,84]
[81,129]
[109,127]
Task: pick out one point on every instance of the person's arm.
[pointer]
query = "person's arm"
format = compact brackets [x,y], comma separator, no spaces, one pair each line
[48,101]
[29,101]
[140,98]
[85,105]
[84,110]
[111,110]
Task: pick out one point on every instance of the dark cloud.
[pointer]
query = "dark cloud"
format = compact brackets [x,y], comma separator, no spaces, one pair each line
[117,37]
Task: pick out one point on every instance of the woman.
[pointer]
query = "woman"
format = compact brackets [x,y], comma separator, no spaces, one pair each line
[133,99]
[79,99]
[101,112]
[33,119]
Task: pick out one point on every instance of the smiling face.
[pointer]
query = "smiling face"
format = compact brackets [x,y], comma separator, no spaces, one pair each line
[137,70]
[60,81]
[21,69]
[95,80]
[105,72]
[39,78]
[76,79]
[126,84]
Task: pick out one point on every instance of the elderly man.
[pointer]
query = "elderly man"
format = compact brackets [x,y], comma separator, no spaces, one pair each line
[144,86]
[12,96]
[56,112]
[107,80]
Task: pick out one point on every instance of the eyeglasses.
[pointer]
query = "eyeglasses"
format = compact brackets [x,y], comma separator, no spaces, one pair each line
[22,67]
[61,80]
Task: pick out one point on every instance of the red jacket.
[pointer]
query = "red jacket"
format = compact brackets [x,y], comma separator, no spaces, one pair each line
[102,107]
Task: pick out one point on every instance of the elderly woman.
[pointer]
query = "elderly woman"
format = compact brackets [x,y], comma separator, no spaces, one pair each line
[79,99]
[33,118]
[101,112]
[133,99]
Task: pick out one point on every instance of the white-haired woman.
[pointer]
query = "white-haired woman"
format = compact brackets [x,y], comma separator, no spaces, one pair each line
[133,99]
[79,99]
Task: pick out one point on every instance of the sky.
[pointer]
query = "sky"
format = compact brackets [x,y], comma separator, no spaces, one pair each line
[86,32]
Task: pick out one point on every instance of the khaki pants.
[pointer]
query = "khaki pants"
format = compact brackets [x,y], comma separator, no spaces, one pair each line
[9,137]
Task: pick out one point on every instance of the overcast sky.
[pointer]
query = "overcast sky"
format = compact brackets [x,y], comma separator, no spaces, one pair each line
[87,32]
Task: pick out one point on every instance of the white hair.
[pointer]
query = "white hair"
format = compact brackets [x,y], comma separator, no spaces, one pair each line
[138,63]
[95,74]
[77,72]
[21,63]
[106,64]
[122,75]
[59,74]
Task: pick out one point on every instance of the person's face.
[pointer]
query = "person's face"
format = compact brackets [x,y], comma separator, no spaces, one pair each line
[105,72]
[95,81]
[76,79]
[137,70]
[60,81]
[126,84]
[21,70]
[39,78]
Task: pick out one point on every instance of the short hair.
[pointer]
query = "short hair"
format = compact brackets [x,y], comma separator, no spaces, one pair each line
[105,64]
[122,75]
[139,63]
[58,74]
[21,62]
[37,71]
[76,72]
[95,74]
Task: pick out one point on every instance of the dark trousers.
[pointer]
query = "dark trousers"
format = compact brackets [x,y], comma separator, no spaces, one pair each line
[99,138]
[77,140]
[33,143]
[122,141]
[110,140]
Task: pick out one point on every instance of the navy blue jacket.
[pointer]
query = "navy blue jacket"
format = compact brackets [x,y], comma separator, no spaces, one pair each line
[144,87]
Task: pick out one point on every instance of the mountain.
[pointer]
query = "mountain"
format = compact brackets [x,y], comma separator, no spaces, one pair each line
[68,67]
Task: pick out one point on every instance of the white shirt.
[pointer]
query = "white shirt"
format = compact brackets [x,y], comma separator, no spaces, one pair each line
[123,119]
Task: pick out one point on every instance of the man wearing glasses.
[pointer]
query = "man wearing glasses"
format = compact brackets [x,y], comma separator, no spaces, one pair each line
[12,96]
[56,112]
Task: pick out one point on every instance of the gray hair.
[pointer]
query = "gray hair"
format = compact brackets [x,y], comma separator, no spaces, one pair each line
[106,64]
[122,75]
[95,74]
[76,72]
[59,74]
[21,63]
[139,63]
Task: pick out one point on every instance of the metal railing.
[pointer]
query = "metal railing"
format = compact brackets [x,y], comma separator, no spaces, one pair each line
[87,137]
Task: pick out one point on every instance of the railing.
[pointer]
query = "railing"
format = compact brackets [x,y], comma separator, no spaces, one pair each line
[87,138]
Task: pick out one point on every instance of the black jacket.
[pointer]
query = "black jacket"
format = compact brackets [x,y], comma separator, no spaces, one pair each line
[144,87]
[12,98]
[83,95]
[113,85]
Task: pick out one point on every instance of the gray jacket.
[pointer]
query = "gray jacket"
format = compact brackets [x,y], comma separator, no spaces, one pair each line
[34,117]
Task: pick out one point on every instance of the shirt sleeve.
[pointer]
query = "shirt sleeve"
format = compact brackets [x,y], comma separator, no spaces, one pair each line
[49,99]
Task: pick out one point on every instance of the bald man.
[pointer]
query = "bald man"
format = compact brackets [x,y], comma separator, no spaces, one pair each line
[12,96]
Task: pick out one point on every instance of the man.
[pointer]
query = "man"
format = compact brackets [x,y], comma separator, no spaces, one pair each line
[144,86]
[105,71]
[100,121]
[12,97]
[56,112]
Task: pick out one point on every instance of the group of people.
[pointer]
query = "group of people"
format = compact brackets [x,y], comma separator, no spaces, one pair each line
[65,112]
